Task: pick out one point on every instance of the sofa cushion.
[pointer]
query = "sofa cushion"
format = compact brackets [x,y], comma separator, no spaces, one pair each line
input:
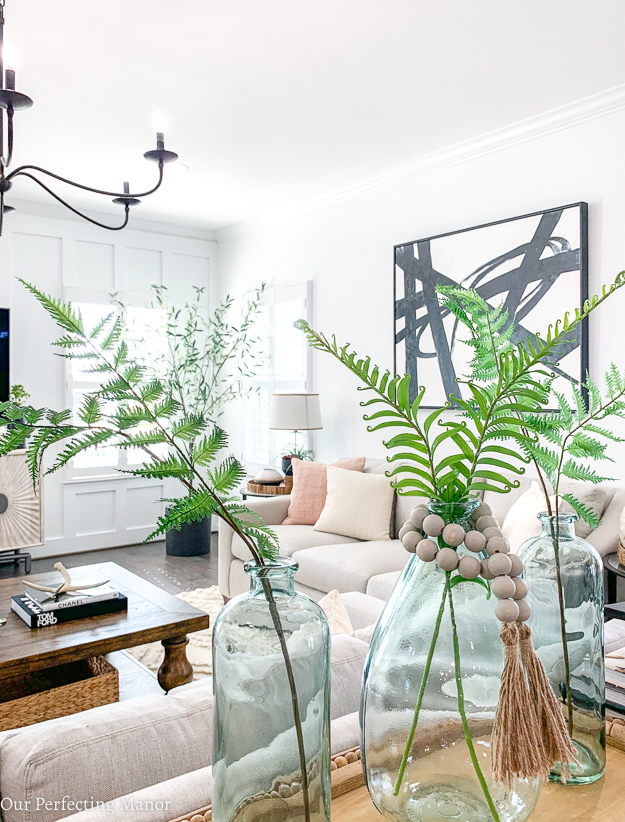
[381,586]
[349,567]
[310,486]
[336,613]
[291,538]
[357,505]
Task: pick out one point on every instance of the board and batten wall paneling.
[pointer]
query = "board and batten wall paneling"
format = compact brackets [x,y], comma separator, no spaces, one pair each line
[60,254]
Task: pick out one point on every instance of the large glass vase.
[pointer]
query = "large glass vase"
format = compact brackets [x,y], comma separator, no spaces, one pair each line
[260,750]
[430,694]
[565,579]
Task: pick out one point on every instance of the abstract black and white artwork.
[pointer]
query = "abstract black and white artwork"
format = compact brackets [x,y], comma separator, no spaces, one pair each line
[535,265]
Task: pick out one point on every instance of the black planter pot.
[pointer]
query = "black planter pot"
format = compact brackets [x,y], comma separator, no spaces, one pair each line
[192,540]
[287,468]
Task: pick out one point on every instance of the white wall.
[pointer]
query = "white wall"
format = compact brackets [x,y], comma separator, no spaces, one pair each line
[346,248]
[61,254]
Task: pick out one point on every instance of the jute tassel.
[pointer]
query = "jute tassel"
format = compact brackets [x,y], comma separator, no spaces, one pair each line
[552,726]
[516,744]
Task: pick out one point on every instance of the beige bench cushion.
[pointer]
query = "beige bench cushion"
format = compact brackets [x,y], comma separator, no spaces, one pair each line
[349,567]
[292,538]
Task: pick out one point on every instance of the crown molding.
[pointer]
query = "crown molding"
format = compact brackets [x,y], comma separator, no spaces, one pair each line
[557,119]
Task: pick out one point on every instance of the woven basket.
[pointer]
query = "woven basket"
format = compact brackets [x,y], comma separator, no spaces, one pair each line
[285,487]
[54,692]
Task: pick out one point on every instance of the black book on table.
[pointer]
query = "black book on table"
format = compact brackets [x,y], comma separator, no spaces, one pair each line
[35,617]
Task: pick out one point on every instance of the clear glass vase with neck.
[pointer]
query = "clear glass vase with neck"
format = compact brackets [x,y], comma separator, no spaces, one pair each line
[260,750]
[429,698]
[564,574]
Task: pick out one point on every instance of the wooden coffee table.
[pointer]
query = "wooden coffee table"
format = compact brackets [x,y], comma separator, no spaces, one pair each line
[152,615]
[603,801]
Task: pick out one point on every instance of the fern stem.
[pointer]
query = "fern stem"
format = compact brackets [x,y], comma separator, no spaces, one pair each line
[424,679]
[463,716]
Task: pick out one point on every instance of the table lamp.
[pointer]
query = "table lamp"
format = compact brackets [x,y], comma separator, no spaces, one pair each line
[295,412]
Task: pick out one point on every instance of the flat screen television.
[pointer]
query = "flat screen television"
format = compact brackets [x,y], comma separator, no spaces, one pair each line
[5,381]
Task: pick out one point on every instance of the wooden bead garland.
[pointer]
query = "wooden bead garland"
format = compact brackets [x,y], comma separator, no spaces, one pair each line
[427,550]
[497,545]
[417,515]
[502,569]
[410,541]
[475,541]
[433,525]
[405,529]
[469,567]
[453,534]
[447,559]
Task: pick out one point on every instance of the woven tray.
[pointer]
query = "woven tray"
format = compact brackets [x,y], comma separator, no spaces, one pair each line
[271,490]
[54,692]
[346,776]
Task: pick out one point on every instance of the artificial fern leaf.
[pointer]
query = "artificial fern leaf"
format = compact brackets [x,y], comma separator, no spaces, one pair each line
[170,466]
[583,511]
[89,411]
[181,511]
[227,475]
[206,449]
[188,428]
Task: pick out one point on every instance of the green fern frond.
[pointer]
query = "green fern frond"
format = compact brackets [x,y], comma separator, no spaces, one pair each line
[583,511]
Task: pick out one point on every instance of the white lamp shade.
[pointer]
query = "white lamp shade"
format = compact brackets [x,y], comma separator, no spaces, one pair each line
[295,412]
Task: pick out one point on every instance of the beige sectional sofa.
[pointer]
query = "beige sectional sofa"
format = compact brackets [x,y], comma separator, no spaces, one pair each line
[362,570]
[147,758]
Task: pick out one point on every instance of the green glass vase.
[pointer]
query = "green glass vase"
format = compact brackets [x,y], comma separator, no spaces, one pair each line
[577,674]
[434,764]
[257,758]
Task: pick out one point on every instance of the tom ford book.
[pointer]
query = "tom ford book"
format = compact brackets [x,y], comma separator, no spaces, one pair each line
[35,617]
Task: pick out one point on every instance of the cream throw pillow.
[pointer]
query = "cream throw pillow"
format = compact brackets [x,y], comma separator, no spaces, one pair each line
[522,523]
[357,505]
[336,613]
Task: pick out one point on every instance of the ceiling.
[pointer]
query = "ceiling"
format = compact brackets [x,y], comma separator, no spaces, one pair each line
[275,102]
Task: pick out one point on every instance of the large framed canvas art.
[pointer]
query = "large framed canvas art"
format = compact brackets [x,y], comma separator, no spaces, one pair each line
[535,265]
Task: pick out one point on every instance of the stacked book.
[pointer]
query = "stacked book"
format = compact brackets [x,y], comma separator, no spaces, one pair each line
[39,609]
[615,688]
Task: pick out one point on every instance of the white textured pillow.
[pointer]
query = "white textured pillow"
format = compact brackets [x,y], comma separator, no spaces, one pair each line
[336,613]
[522,523]
[357,505]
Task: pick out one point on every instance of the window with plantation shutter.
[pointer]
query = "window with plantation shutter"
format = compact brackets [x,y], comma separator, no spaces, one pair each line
[286,367]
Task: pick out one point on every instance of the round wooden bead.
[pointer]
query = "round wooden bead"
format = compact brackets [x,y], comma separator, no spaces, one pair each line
[427,550]
[482,510]
[433,525]
[497,545]
[525,611]
[418,514]
[469,567]
[405,529]
[486,574]
[499,564]
[474,541]
[411,540]
[492,531]
[520,588]
[485,522]
[447,559]
[503,587]
[453,534]
[506,610]
[517,566]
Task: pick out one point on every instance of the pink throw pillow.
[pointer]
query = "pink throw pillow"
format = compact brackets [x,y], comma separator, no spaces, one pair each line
[310,487]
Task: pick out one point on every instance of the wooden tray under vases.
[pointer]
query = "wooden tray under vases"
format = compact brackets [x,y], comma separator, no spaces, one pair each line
[346,776]
[285,487]
[60,691]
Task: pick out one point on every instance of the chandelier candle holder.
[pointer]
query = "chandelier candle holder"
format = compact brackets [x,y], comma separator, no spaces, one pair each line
[12,101]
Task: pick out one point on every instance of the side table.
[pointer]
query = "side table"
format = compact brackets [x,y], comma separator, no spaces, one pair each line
[614,570]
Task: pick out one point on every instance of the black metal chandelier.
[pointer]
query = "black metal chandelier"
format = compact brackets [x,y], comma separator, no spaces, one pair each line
[12,101]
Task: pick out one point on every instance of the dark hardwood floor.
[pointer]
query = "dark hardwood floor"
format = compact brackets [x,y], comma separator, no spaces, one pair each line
[172,574]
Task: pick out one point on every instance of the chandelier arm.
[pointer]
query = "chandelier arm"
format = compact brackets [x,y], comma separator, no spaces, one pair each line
[24,169]
[19,173]
[9,135]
